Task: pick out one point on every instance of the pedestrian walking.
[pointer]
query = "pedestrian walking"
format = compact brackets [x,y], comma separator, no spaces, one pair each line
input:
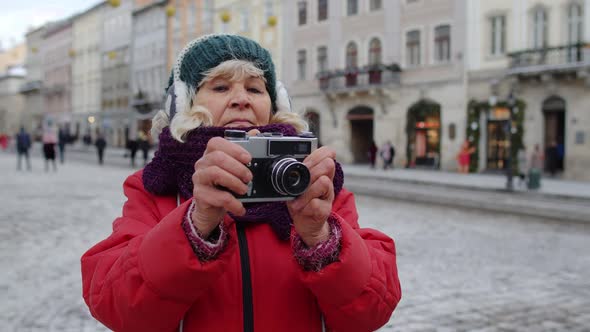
[87,139]
[132,146]
[522,158]
[144,145]
[185,247]
[552,156]
[100,144]
[23,144]
[4,141]
[62,139]
[387,154]
[372,153]
[49,140]
[464,157]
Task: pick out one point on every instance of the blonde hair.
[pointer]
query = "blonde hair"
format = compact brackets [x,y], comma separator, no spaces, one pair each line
[232,70]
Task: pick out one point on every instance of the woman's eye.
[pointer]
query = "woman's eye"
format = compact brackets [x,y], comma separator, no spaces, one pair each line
[254,90]
[220,88]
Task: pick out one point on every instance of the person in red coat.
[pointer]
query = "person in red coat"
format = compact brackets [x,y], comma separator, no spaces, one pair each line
[186,255]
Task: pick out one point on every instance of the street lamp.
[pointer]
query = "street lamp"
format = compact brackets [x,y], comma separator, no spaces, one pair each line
[511,103]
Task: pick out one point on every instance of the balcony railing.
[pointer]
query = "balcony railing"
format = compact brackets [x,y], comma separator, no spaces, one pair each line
[568,57]
[358,79]
[31,86]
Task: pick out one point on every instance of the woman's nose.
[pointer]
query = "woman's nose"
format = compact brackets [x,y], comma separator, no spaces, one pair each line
[240,99]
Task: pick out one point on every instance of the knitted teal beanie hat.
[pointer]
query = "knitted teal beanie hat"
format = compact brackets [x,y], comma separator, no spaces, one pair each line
[207,52]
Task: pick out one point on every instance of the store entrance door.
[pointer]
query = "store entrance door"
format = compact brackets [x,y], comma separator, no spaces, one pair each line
[498,145]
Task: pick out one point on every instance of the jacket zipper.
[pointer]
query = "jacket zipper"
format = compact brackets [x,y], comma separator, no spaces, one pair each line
[246,279]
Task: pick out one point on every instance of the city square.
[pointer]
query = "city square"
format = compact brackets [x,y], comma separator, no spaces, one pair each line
[460,269]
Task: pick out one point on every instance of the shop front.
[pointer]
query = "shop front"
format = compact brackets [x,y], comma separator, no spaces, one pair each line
[423,130]
[498,138]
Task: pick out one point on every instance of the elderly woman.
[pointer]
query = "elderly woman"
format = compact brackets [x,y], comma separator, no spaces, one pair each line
[186,255]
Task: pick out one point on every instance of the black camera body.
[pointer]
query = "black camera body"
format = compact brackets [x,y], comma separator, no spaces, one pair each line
[276,165]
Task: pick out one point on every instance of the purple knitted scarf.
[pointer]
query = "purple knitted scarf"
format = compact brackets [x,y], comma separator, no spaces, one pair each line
[170,172]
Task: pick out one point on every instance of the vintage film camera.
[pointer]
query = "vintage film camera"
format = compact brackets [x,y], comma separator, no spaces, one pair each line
[276,166]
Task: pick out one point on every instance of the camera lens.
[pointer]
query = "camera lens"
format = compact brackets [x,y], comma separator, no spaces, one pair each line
[293,178]
[289,177]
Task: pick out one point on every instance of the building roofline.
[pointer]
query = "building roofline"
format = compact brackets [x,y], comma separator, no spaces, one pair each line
[150,6]
[86,11]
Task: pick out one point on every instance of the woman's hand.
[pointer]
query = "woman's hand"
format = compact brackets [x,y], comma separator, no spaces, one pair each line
[222,167]
[311,210]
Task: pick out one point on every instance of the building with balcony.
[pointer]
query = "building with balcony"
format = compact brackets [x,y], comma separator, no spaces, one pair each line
[536,51]
[115,72]
[366,71]
[149,72]
[33,86]
[56,54]
[86,70]
[12,103]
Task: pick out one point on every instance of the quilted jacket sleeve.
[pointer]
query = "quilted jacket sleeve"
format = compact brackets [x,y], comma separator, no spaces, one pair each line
[138,278]
[360,291]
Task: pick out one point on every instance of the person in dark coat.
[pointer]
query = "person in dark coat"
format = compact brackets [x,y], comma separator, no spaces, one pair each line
[23,144]
[144,145]
[132,146]
[373,153]
[49,140]
[62,139]
[100,144]
[551,157]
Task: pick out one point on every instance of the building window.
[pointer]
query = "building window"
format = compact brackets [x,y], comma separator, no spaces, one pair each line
[244,21]
[353,7]
[322,59]
[375,5]
[413,48]
[574,32]
[574,23]
[351,55]
[268,9]
[302,12]
[301,64]
[498,37]
[539,28]
[442,43]
[322,10]
[207,14]
[375,52]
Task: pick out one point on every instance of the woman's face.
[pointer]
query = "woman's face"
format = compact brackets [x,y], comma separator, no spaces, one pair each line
[238,104]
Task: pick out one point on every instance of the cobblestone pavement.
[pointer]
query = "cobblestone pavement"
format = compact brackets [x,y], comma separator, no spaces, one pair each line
[461,270]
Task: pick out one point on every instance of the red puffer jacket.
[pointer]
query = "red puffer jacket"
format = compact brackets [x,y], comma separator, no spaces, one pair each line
[146,277]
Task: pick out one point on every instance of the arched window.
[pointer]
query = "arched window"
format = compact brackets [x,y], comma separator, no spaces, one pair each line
[351,55]
[375,52]
[539,27]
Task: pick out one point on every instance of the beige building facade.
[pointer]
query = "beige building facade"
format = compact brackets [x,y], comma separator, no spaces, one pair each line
[13,56]
[33,86]
[11,101]
[377,71]
[86,70]
[537,52]
[259,20]
[188,19]
[56,53]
